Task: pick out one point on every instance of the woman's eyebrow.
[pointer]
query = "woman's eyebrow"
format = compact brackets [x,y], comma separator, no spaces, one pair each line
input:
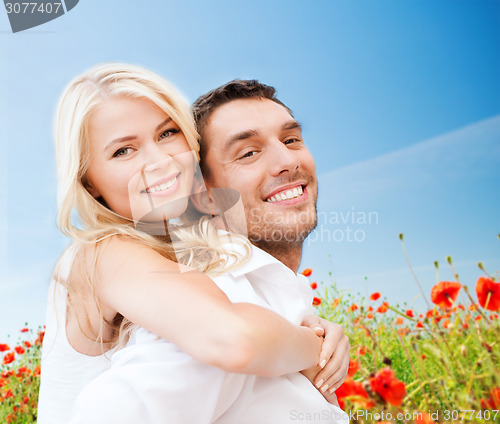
[165,122]
[133,137]
[120,140]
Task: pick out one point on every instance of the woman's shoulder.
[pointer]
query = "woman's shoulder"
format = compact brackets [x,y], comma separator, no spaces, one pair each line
[117,253]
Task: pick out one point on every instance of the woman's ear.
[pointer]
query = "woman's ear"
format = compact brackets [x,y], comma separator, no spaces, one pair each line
[91,189]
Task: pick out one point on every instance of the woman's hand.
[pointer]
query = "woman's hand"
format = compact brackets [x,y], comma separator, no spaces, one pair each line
[331,370]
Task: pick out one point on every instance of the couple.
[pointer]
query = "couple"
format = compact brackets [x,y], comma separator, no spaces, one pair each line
[127,153]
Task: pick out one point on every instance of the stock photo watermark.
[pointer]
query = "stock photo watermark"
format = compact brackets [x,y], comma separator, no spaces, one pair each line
[343,226]
[438,415]
[24,15]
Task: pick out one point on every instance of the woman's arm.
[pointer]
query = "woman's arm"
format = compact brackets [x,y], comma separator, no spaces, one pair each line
[188,309]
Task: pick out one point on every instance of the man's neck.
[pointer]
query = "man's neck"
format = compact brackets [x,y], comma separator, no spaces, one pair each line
[289,255]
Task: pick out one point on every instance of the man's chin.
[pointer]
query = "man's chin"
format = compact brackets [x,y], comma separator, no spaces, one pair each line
[285,233]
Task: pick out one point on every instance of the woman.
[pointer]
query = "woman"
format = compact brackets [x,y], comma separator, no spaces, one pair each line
[126,152]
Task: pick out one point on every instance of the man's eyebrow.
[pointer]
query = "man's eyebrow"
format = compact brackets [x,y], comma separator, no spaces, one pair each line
[133,137]
[291,125]
[239,137]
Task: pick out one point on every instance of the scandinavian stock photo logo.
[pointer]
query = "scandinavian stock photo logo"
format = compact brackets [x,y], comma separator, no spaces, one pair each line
[25,15]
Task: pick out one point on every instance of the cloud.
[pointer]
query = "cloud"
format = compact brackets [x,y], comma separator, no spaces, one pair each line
[469,153]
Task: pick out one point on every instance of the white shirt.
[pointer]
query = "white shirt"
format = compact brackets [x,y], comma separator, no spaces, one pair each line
[154,382]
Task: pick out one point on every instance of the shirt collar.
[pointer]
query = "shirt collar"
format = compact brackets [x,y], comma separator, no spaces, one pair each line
[258,259]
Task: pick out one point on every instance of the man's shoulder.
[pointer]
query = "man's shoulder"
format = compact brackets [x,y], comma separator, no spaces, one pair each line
[243,257]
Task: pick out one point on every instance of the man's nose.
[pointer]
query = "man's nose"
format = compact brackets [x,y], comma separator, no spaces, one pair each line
[282,159]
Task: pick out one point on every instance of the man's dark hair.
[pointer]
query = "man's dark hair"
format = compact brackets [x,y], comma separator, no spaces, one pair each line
[237,89]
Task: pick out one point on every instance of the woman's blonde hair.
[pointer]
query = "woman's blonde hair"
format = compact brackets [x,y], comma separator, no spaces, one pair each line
[96,221]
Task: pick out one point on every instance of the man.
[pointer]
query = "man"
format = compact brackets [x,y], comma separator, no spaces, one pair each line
[251,143]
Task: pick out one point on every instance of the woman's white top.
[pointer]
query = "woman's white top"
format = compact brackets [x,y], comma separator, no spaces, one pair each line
[64,371]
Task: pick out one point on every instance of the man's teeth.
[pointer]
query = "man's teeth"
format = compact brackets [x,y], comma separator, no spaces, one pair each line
[163,186]
[285,195]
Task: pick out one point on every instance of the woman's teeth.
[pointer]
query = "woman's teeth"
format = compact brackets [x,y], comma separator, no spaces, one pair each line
[285,195]
[162,187]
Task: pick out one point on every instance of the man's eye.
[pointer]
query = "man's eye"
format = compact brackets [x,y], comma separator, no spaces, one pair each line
[168,133]
[291,140]
[122,151]
[248,154]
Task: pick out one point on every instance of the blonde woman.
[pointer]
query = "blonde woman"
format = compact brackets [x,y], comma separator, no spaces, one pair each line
[126,148]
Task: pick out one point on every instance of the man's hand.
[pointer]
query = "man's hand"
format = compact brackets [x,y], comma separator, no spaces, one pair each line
[331,371]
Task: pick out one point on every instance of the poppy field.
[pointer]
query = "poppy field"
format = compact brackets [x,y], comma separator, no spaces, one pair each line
[441,365]
[20,377]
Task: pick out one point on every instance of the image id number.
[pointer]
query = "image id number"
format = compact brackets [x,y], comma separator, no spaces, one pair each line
[23,8]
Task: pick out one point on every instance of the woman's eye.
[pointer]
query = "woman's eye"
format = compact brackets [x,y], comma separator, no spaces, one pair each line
[122,151]
[168,133]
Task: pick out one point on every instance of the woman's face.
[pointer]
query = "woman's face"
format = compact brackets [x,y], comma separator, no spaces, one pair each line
[140,162]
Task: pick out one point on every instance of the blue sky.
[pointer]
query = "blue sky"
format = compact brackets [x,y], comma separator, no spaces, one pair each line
[400,103]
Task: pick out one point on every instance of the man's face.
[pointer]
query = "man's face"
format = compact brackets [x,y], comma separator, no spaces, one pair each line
[256,147]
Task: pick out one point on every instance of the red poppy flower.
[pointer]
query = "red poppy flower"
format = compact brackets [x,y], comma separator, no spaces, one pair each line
[8,358]
[20,350]
[444,293]
[4,347]
[362,350]
[419,325]
[403,331]
[488,293]
[353,368]
[39,340]
[352,308]
[369,315]
[23,371]
[8,394]
[314,286]
[399,320]
[27,344]
[307,272]
[382,309]
[24,330]
[336,302]
[388,386]
[316,301]
[374,296]
[356,392]
[409,313]
[493,402]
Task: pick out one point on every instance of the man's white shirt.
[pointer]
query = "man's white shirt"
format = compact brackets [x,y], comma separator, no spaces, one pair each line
[152,381]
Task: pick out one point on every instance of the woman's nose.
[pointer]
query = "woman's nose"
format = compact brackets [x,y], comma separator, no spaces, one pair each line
[155,157]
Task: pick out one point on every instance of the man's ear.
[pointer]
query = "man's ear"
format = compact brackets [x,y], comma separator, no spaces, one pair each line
[202,201]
